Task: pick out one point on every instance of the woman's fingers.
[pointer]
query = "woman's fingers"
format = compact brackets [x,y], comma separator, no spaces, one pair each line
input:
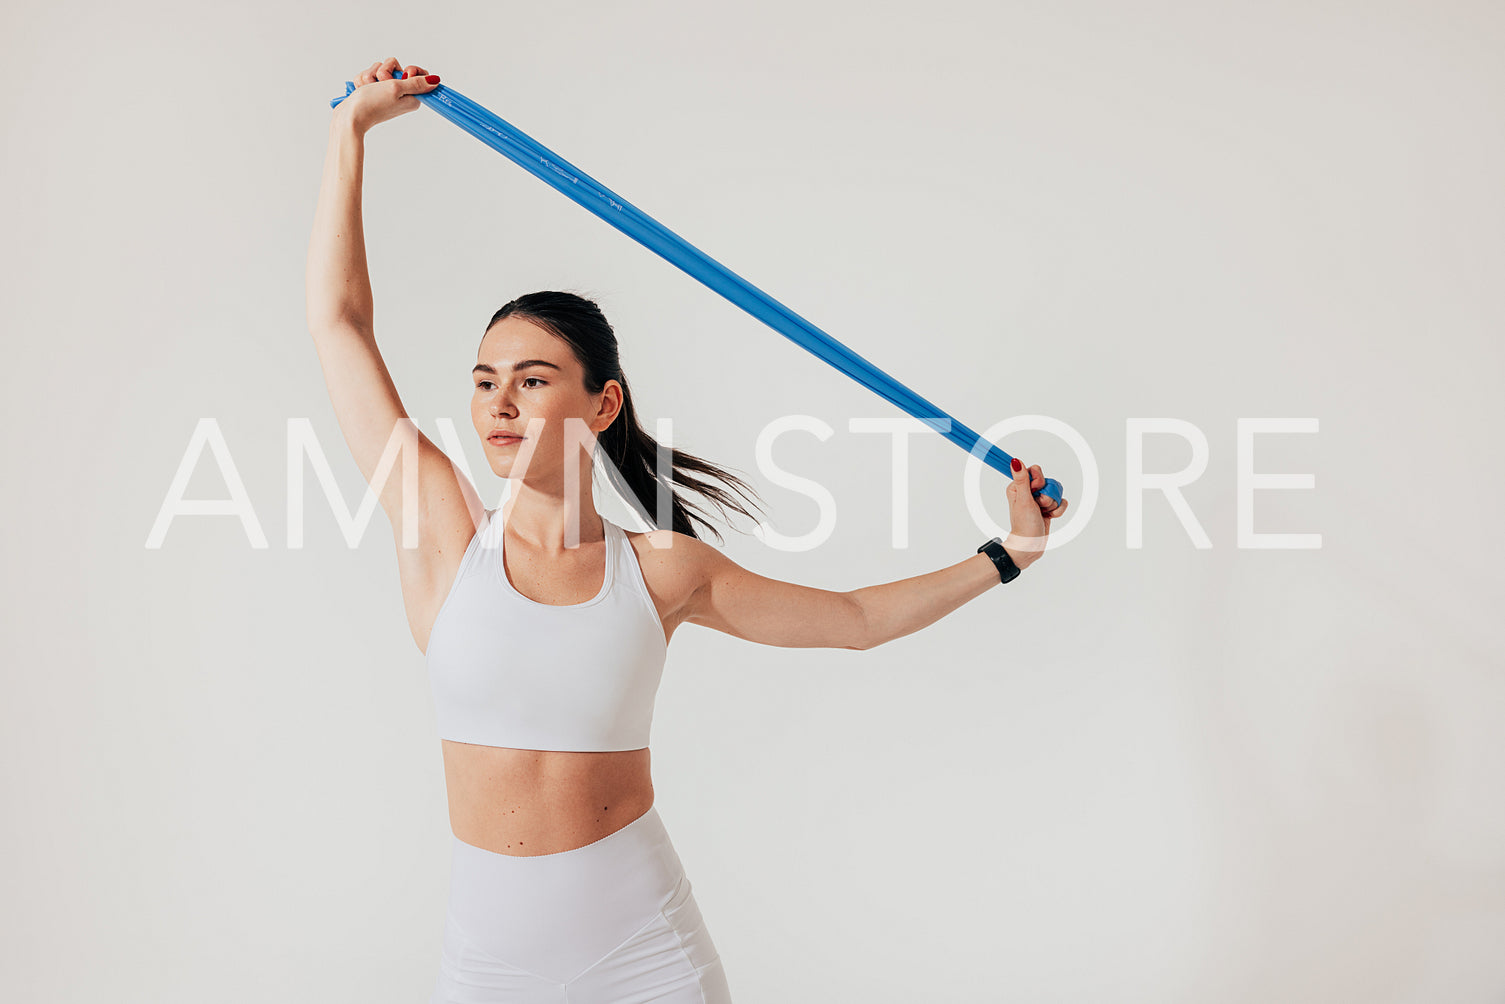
[1049,507]
[1036,482]
[386,69]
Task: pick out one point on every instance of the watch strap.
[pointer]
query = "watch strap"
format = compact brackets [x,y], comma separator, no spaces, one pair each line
[1007,570]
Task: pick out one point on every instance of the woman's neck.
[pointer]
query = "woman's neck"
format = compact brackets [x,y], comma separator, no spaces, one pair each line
[545,521]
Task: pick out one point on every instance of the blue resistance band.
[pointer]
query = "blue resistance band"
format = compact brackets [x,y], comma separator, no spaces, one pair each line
[549,167]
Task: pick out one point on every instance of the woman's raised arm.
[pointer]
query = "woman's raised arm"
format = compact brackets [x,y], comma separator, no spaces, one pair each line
[371,415]
[339,286]
[432,507]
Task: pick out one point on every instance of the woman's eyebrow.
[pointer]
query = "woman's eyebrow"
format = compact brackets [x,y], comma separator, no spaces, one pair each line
[485,368]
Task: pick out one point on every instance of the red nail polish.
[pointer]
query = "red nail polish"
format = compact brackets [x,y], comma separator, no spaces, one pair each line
[1017,465]
[432,78]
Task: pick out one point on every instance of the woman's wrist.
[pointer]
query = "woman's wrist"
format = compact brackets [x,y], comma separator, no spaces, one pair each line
[1019,549]
[343,122]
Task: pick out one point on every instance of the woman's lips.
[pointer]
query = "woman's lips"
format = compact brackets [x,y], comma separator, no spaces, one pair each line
[505,440]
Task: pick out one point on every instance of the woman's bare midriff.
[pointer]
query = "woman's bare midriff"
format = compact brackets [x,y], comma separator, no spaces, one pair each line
[527,802]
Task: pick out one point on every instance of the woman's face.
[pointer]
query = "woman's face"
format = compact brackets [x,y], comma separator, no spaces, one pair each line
[529,383]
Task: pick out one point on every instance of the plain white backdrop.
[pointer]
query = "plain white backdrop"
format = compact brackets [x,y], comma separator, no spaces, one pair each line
[1155,774]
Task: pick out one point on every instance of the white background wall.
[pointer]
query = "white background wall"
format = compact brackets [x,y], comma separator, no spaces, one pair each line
[1164,774]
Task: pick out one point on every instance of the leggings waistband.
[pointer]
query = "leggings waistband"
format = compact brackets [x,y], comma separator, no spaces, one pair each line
[546,912]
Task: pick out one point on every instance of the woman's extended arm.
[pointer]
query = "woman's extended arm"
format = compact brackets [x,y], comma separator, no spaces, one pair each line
[732,599]
[894,609]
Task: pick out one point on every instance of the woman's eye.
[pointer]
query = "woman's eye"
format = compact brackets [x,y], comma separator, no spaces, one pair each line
[487,384]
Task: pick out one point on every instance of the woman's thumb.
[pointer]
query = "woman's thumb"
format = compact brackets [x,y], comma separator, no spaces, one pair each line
[1021,473]
[418,84]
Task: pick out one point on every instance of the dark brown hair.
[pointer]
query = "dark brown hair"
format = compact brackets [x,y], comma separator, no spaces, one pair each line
[581,324]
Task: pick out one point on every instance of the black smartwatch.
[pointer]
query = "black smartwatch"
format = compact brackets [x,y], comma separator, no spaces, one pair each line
[1007,570]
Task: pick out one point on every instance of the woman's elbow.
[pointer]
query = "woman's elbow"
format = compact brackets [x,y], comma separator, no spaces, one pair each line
[858,635]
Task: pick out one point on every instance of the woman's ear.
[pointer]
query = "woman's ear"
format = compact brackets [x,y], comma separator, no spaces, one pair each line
[612,401]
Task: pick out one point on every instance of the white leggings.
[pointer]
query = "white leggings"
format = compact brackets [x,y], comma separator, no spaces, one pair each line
[612,922]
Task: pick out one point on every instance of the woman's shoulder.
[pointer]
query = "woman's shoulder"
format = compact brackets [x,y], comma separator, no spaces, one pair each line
[671,561]
[669,543]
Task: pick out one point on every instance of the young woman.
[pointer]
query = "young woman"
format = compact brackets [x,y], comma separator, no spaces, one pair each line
[545,626]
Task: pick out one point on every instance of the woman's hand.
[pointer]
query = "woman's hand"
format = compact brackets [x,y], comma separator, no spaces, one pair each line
[379,96]
[1029,517]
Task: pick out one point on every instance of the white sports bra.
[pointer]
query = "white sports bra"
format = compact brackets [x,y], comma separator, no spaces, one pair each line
[509,671]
